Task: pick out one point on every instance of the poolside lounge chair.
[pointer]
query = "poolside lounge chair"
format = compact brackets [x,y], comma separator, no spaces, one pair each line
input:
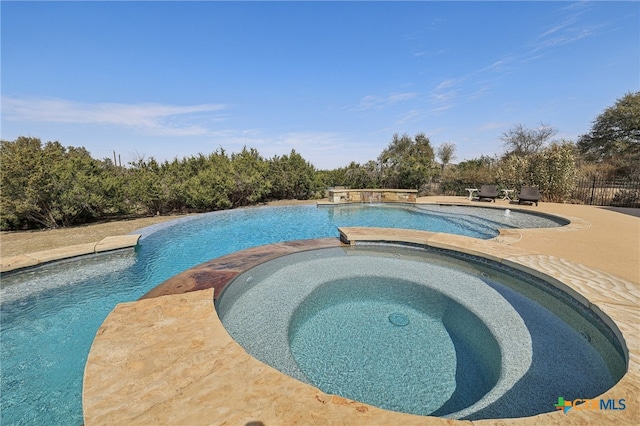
[529,194]
[489,192]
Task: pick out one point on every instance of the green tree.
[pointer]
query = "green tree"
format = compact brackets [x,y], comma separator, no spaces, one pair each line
[446,153]
[76,193]
[49,185]
[292,178]
[145,187]
[615,136]
[17,159]
[174,177]
[211,184]
[332,178]
[514,171]
[467,174]
[113,188]
[552,170]
[407,162]
[361,176]
[249,176]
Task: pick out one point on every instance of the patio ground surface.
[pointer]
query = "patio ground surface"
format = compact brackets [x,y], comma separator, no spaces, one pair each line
[167,359]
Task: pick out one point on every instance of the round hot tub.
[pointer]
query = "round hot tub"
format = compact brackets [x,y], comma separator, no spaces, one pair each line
[420,331]
[401,345]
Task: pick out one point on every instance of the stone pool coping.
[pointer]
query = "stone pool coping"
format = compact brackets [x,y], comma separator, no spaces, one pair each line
[12,263]
[167,359]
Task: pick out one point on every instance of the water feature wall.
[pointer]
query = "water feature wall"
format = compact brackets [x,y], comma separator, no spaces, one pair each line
[338,195]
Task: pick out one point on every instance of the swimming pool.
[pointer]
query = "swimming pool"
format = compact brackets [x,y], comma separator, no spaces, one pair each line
[50,314]
[421,331]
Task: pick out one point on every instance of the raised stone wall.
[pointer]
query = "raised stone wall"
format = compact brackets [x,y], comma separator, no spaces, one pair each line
[372,195]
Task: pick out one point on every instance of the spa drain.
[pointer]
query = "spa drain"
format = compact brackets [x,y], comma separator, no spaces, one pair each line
[398,319]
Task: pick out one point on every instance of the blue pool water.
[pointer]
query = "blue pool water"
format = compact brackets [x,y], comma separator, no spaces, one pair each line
[420,331]
[343,340]
[49,315]
[365,366]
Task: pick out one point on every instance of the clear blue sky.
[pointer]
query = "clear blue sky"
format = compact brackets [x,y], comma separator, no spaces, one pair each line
[332,80]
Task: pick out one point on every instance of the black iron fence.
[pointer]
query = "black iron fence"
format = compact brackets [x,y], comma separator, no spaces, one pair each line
[600,192]
[594,191]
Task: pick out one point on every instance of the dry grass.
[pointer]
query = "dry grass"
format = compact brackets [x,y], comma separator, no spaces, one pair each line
[21,242]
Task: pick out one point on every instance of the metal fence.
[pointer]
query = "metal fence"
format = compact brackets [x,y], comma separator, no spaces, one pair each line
[600,192]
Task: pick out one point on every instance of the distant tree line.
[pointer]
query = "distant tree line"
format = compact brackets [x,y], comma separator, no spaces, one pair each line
[49,185]
[610,151]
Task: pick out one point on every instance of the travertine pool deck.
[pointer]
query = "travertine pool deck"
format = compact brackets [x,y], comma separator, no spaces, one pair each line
[167,359]
[118,242]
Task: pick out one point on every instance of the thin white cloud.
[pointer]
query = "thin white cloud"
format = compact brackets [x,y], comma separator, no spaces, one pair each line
[424,54]
[327,149]
[500,66]
[567,36]
[400,97]
[551,31]
[371,102]
[322,141]
[445,84]
[444,95]
[441,108]
[492,126]
[569,29]
[571,26]
[480,92]
[411,116]
[152,118]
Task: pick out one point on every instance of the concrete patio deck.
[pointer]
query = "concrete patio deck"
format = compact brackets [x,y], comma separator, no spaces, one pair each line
[167,359]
